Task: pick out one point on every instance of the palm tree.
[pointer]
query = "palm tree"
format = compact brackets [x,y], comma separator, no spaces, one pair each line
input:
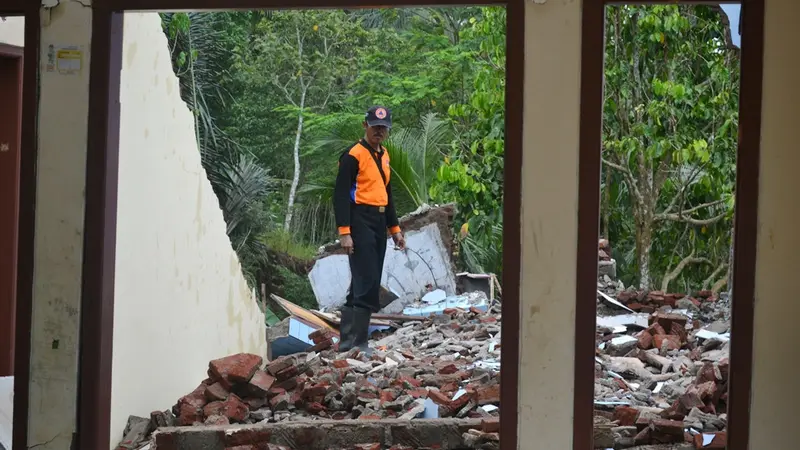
[240,183]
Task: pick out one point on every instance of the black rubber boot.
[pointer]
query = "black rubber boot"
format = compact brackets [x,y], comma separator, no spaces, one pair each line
[346,329]
[361,318]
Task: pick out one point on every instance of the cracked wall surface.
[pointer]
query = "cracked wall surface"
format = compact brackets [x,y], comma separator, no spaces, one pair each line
[181,299]
[63,114]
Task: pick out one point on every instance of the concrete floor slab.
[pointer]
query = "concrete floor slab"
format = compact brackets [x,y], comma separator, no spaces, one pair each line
[443,434]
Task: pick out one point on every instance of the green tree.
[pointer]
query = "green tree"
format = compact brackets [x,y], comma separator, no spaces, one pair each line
[472,174]
[669,133]
[306,56]
[242,185]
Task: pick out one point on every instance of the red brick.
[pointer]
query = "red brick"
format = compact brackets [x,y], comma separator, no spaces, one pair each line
[374,446]
[255,403]
[448,369]
[196,399]
[449,387]
[645,340]
[706,373]
[287,385]
[233,369]
[489,319]
[296,399]
[315,408]
[656,329]
[667,431]
[720,440]
[320,335]
[341,364]
[260,384]
[279,364]
[672,342]
[490,425]
[273,391]
[315,391]
[407,354]
[289,372]
[707,390]
[279,402]
[418,393]
[326,344]
[216,392]
[488,394]
[666,320]
[635,306]
[189,414]
[369,417]
[233,408]
[409,383]
[217,420]
[626,416]
[245,436]
[438,397]
[388,395]
[461,401]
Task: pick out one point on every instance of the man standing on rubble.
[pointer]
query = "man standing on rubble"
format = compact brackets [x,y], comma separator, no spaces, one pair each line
[364,212]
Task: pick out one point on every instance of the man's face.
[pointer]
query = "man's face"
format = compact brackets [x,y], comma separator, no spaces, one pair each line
[376,135]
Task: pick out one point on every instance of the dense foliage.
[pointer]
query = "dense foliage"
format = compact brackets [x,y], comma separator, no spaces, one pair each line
[279,95]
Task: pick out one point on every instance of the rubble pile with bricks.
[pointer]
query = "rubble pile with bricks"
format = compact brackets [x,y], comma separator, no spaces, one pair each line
[661,372]
[435,359]
[446,366]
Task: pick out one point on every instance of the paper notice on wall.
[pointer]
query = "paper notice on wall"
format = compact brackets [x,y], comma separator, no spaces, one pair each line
[64,59]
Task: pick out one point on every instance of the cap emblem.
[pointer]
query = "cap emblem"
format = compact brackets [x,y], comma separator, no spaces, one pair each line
[380,113]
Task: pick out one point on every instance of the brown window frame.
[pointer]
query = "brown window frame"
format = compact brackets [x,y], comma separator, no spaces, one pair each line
[97,297]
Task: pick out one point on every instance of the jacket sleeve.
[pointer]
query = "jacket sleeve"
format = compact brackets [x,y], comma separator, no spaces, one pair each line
[345,180]
[391,214]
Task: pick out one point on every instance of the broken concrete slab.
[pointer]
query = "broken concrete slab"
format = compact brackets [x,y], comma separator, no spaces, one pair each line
[444,434]
[426,264]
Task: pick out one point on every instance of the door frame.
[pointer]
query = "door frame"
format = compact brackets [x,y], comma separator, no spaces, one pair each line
[97,303]
[14,54]
[29,150]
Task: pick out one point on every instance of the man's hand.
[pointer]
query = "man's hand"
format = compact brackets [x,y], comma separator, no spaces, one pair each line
[399,241]
[347,243]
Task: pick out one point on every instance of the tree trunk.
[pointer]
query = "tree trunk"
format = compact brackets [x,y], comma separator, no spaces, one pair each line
[296,153]
[730,264]
[605,209]
[644,240]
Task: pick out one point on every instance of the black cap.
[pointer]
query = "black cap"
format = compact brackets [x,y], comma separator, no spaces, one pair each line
[379,116]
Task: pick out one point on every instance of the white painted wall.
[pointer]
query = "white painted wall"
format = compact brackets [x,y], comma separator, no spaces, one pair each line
[58,242]
[12,30]
[407,274]
[773,413]
[181,299]
[549,224]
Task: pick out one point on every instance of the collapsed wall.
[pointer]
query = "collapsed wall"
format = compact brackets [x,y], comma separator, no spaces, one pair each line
[180,297]
[426,264]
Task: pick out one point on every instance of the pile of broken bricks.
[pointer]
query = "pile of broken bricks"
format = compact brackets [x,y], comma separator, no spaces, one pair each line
[666,384]
[441,367]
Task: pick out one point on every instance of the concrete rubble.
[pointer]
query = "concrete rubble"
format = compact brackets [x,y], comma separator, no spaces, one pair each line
[426,264]
[661,379]
[445,366]
[661,372]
